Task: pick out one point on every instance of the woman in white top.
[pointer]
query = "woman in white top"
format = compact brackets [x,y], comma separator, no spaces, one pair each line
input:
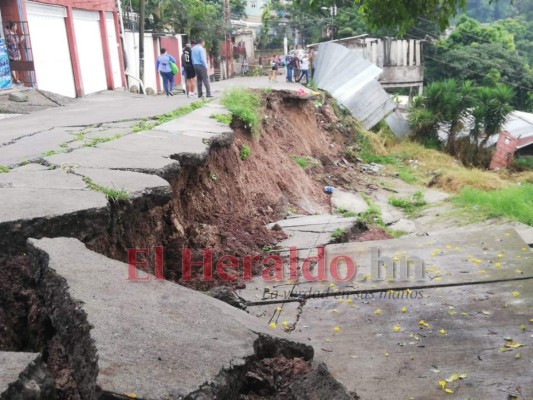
[304,70]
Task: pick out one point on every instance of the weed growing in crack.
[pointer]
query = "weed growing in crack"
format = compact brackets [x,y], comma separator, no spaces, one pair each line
[98,140]
[338,233]
[212,176]
[53,152]
[4,169]
[111,193]
[410,206]
[245,105]
[346,213]
[222,118]
[246,151]
[147,124]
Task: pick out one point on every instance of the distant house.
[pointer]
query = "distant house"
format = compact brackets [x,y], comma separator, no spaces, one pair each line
[70,47]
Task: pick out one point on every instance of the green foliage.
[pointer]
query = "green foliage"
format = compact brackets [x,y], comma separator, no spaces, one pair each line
[111,193]
[405,175]
[222,118]
[4,169]
[524,163]
[515,203]
[372,216]
[367,153]
[246,151]
[410,206]
[445,105]
[97,140]
[245,105]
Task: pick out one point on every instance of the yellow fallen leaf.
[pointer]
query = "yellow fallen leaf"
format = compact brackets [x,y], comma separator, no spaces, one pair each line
[285,323]
[486,312]
[404,309]
[500,255]
[131,395]
[482,271]
[423,323]
[328,340]
[513,345]
[531,320]
[442,384]
[408,291]
[457,248]
[273,325]
[449,391]
[354,356]
[412,358]
[349,301]
[452,378]
[517,356]
[396,328]
[331,285]
[516,294]
[377,312]
[340,300]
[464,375]
[448,247]
[386,354]
[518,271]
[503,349]
[337,329]
[524,249]
[452,312]
[334,310]
[279,309]
[522,328]
[442,332]
[498,265]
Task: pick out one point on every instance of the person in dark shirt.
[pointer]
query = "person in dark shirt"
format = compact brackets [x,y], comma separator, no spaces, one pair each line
[188,68]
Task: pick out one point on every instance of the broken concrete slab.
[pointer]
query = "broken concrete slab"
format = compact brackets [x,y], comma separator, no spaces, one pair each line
[18,97]
[134,160]
[34,146]
[310,220]
[403,225]
[348,201]
[133,337]
[32,202]
[24,376]
[380,338]
[134,184]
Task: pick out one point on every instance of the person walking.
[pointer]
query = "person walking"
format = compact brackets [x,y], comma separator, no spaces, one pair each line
[304,70]
[164,68]
[289,66]
[189,72]
[274,62]
[199,60]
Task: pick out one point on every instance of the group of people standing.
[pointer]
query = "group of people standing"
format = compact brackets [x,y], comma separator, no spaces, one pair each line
[297,67]
[194,69]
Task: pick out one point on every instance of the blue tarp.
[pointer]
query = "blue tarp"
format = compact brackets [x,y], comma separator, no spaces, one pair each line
[5,70]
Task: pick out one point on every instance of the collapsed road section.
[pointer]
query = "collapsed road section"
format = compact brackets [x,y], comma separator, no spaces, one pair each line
[69,217]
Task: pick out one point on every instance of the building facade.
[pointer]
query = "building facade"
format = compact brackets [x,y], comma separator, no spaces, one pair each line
[68,47]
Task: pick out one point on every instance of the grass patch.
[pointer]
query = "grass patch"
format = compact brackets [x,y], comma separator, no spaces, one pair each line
[53,152]
[372,216]
[305,161]
[222,118]
[338,233]
[245,105]
[515,202]
[150,123]
[4,169]
[524,163]
[346,213]
[410,206]
[111,193]
[246,151]
[98,140]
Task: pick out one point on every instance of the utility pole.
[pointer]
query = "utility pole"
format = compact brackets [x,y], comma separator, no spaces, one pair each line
[227,37]
[141,41]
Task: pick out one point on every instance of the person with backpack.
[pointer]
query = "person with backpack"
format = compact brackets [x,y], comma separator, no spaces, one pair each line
[165,70]
[188,70]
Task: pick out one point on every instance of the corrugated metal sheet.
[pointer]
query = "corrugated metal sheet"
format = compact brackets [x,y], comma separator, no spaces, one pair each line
[352,81]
